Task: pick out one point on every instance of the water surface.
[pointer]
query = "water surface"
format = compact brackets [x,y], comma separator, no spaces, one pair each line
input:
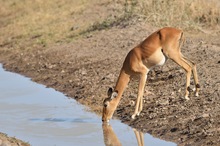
[43,116]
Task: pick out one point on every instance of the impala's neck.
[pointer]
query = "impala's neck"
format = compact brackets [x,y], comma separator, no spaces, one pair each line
[121,84]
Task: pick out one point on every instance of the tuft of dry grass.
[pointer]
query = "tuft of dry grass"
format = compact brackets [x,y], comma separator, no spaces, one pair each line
[188,14]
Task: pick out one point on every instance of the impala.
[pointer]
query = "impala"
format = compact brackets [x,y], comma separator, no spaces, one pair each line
[153,51]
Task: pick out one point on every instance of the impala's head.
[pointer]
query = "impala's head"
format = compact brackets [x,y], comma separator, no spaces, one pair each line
[109,105]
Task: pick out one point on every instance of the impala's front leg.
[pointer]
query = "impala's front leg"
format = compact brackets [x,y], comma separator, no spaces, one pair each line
[139,101]
[196,81]
[140,105]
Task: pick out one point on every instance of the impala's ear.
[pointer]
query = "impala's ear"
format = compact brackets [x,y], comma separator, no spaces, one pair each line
[110,90]
[111,93]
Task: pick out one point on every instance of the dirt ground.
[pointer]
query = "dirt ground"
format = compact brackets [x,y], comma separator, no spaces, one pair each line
[84,69]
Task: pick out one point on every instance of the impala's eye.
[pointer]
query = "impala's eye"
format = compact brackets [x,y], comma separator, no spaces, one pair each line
[106,104]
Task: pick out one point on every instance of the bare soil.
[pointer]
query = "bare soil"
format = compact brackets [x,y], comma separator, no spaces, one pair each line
[84,69]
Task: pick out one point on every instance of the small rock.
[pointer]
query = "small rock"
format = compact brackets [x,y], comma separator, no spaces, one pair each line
[173,129]
[163,102]
[205,115]
[83,72]
[170,76]
[132,103]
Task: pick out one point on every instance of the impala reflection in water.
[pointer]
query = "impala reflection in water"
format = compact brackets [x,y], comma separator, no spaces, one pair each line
[111,139]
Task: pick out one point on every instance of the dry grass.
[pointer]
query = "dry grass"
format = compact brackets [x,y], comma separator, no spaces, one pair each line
[27,23]
[188,14]
[42,22]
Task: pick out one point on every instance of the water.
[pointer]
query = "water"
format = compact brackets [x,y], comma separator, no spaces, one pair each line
[43,116]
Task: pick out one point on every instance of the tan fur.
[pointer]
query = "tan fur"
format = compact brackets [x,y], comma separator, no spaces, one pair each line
[149,53]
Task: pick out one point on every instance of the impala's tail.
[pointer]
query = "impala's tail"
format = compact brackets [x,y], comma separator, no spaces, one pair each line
[181,40]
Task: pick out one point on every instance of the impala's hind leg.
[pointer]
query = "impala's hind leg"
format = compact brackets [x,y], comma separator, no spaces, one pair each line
[195,76]
[188,68]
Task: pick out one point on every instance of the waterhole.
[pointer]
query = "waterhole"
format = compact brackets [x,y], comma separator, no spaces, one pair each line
[44,117]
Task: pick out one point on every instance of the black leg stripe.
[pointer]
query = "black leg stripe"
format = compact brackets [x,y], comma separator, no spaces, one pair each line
[189,89]
[197,86]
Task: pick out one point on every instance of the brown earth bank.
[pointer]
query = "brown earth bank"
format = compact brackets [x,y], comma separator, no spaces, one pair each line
[87,66]
[11,141]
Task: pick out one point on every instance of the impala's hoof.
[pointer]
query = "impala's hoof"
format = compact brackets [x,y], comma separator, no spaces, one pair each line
[196,94]
[187,98]
[133,116]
